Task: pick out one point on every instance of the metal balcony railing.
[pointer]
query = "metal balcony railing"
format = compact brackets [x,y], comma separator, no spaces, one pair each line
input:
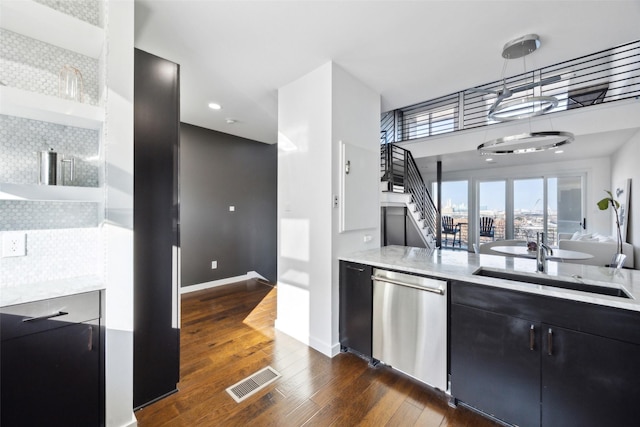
[399,169]
[607,76]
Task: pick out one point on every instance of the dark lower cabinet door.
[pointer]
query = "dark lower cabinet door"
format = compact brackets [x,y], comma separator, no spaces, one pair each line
[495,364]
[589,380]
[53,378]
[356,307]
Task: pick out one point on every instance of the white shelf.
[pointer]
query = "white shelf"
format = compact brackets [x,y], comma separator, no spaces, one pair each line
[50,193]
[43,23]
[32,105]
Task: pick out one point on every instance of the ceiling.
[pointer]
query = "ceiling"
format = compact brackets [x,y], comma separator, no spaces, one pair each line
[238,53]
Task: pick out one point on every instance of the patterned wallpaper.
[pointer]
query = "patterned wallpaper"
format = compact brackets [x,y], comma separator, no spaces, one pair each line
[85,10]
[32,65]
[53,255]
[40,215]
[22,139]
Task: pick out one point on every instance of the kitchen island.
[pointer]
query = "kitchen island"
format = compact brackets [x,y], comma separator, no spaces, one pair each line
[460,265]
[525,348]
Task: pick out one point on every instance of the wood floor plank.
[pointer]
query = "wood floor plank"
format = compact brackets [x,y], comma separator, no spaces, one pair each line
[406,415]
[228,333]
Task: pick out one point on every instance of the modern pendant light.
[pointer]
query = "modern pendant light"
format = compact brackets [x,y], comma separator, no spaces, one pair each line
[529,142]
[523,108]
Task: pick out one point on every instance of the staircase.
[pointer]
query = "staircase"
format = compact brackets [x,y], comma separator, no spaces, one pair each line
[402,185]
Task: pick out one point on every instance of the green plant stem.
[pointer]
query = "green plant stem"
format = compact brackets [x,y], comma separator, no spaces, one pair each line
[615,210]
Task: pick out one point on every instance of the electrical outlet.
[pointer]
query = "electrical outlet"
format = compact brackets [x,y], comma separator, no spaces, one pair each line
[214,265]
[14,244]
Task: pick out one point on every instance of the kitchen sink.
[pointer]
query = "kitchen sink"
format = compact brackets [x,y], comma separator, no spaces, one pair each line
[549,281]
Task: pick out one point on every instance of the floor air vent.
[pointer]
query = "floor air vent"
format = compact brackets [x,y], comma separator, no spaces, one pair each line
[245,388]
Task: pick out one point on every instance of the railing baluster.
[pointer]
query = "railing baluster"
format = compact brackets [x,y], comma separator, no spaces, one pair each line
[412,181]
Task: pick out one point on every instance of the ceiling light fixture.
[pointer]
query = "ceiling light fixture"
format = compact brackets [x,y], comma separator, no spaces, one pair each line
[230,121]
[215,106]
[522,46]
[529,142]
[521,108]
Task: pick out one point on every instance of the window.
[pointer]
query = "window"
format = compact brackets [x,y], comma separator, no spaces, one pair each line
[523,207]
[455,196]
[430,123]
[492,204]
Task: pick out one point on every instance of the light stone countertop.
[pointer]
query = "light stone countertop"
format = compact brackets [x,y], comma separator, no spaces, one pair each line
[460,265]
[52,289]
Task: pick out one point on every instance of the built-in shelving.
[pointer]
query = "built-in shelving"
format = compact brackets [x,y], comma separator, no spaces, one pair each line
[36,106]
[43,23]
[50,193]
[40,22]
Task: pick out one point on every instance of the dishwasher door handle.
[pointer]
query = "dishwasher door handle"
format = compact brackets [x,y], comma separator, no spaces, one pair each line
[438,291]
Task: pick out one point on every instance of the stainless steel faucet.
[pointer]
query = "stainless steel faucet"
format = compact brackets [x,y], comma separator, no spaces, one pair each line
[542,251]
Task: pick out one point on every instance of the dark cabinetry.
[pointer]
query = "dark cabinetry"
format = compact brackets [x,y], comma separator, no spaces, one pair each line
[356,307]
[52,363]
[588,380]
[532,360]
[156,238]
[493,367]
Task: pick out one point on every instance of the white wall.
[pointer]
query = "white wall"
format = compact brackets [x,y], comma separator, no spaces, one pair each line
[356,120]
[598,179]
[315,112]
[624,165]
[118,227]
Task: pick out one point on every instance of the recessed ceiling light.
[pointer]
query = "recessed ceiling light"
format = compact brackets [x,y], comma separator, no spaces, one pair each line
[214,106]
[559,151]
[230,121]
[488,160]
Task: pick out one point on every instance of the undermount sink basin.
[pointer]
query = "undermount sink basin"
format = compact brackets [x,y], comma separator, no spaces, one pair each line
[549,281]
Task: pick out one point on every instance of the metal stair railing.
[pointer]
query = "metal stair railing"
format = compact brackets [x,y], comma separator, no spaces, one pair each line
[399,168]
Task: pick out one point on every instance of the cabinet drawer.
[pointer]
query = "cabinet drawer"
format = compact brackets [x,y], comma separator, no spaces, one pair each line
[24,319]
[595,319]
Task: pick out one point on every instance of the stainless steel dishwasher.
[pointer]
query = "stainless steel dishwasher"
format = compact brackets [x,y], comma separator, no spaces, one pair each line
[410,325]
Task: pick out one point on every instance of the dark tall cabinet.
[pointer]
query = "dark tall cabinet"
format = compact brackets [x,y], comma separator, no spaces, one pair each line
[156,228]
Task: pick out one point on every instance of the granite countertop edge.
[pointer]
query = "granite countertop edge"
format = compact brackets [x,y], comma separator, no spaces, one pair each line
[460,265]
[39,291]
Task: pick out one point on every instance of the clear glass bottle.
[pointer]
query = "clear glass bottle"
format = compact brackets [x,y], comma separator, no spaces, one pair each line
[70,84]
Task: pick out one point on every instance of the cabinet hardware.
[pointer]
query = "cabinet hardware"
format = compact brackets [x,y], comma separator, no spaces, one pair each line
[438,291]
[48,316]
[347,167]
[550,342]
[355,268]
[532,337]
[90,343]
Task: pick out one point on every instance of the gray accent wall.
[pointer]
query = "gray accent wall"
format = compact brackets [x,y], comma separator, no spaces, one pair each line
[219,170]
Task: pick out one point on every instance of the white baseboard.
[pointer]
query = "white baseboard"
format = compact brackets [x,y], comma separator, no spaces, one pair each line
[220,282]
[323,347]
[133,423]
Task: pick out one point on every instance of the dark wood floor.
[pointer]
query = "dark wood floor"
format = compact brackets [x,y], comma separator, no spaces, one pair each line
[227,334]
